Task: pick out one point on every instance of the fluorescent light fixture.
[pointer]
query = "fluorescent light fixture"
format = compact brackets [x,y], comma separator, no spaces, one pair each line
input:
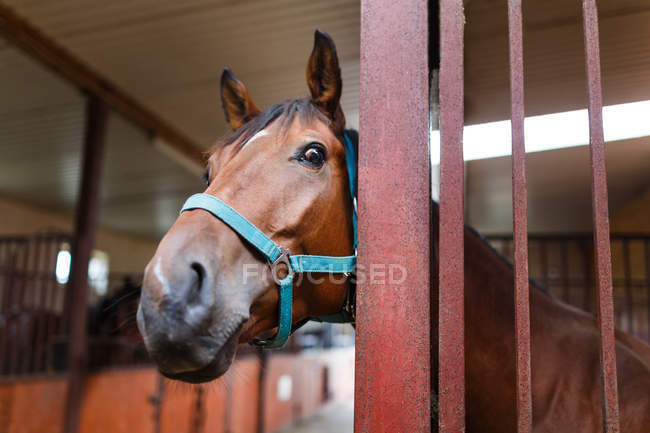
[550,131]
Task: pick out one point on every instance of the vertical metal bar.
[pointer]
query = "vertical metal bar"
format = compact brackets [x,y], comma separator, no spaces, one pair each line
[588,280]
[51,323]
[261,399]
[85,227]
[564,257]
[5,336]
[451,374]
[646,251]
[156,401]
[198,422]
[601,219]
[44,275]
[229,395]
[393,316]
[543,252]
[520,220]
[20,287]
[627,283]
[29,300]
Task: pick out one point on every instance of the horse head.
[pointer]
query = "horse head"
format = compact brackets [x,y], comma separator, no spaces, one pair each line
[283,169]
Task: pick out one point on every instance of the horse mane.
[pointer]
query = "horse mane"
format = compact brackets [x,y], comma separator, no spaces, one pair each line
[285,111]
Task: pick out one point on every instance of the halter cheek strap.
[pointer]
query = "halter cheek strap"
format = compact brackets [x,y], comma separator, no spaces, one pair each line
[277,255]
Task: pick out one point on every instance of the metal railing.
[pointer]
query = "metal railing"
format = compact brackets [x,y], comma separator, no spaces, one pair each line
[451,327]
[563,263]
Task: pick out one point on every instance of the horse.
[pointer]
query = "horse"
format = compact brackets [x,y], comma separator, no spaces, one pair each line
[284,171]
[113,337]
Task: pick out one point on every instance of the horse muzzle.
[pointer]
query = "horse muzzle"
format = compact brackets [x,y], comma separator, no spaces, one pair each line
[189,327]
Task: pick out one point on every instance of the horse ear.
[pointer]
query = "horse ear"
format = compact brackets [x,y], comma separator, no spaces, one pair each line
[324,76]
[235,100]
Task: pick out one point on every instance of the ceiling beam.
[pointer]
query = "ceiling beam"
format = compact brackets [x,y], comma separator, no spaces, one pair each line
[45,50]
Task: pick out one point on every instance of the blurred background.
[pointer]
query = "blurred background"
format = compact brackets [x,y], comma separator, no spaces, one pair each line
[158,64]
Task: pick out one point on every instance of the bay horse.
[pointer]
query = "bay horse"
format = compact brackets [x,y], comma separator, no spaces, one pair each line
[284,170]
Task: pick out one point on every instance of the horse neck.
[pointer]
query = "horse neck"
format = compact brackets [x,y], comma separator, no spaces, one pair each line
[489,320]
[489,289]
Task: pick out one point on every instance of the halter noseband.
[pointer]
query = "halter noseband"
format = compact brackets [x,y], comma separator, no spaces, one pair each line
[277,255]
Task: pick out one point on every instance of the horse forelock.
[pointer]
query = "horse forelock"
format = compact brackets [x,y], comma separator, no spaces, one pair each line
[284,112]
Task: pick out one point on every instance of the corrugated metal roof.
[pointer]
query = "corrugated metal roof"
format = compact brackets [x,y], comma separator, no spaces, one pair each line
[554,56]
[170,54]
[41,130]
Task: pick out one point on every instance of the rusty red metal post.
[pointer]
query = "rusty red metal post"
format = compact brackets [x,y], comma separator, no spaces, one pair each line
[520,220]
[392,392]
[601,219]
[82,243]
[451,349]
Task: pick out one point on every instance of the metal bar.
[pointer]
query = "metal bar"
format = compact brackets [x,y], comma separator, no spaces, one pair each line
[601,219]
[4,293]
[520,220]
[646,252]
[19,289]
[572,236]
[198,422]
[564,257]
[627,284]
[43,279]
[48,52]
[10,260]
[587,279]
[451,352]
[261,399]
[85,227]
[156,401]
[228,402]
[52,287]
[543,252]
[393,316]
[29,299]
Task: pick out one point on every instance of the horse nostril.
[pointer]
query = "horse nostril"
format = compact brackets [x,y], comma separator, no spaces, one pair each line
[200,274]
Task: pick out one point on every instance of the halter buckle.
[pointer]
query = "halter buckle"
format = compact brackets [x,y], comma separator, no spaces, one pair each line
[283,258]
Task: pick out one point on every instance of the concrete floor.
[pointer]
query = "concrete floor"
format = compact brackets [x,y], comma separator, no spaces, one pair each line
[337,417]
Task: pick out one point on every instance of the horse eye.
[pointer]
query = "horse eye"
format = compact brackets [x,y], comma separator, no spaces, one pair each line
[313,155]
[206,177]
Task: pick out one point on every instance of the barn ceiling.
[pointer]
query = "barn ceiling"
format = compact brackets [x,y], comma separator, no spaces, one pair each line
[559,187]
[554,56]
[169,56]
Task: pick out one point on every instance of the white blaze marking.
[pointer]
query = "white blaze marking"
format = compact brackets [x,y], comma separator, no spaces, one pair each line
[260,134]
[157,271]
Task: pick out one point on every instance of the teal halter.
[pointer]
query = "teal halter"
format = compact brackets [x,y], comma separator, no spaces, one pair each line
[277,255]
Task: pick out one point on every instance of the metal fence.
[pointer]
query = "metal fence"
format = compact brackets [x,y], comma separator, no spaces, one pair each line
[35,316]
[394,321]
[32,304]
[563,263]
[451,325]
